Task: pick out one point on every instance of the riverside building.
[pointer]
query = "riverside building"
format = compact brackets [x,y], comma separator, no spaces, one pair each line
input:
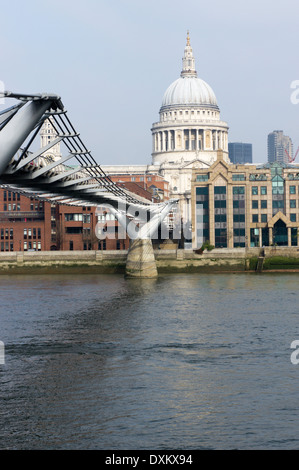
[237,206]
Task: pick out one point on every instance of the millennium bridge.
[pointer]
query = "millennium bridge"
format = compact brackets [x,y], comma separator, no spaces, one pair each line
[25,168]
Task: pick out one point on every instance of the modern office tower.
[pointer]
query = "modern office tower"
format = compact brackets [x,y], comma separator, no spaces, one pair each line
[280,147]
[240,153]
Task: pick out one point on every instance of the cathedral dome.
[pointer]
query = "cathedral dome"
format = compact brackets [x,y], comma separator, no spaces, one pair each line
[189,90]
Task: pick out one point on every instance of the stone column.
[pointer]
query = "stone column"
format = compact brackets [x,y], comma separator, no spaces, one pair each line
[289,237]
[163,142]
[270,236]
[229,217]
[141,261]
[260,238]
[211,215]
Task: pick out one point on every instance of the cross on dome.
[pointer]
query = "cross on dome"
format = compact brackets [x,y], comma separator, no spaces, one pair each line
[188,39]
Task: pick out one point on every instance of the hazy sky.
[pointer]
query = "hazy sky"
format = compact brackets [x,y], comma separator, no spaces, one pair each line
[111,62]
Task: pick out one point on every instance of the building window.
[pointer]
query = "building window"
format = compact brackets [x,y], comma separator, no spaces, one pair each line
[238,177]
[25,246]
[263,190]
[255,218]
[220,190]
[277,185]
[292,189]
[293,217]
[292,203]
[74,230]
[263,218]
[254,190]
[238,190]
[73,217]
[202,177]
[263,204]
[278,204]
[239,218]
[254,204]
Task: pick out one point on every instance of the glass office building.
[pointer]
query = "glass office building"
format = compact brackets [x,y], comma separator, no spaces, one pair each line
[239,152]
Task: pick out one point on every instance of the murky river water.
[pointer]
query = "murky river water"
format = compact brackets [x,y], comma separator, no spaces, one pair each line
[182,362]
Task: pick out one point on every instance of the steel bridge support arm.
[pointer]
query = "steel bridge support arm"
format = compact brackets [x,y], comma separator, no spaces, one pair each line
[16,131]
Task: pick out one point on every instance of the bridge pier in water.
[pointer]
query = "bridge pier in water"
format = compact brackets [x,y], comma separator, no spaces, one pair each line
[141,261]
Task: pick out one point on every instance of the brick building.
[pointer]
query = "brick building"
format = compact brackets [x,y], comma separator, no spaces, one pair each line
[155,185]
[28,224]
[25,223]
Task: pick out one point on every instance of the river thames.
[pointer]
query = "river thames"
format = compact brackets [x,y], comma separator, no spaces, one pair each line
[187,361]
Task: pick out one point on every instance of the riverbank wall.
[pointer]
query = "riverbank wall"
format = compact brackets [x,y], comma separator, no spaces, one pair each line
[168,261]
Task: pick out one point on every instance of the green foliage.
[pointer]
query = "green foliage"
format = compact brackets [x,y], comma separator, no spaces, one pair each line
[252,263]
[207,246]
[281,262]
